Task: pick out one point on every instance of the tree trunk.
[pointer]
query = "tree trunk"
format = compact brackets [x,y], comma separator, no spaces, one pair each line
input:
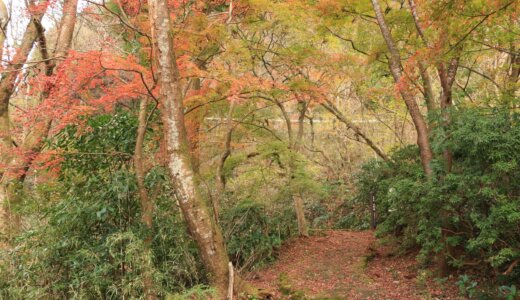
[193,130]
[447,78]
[221,176]
[396,69]
[4,19]
[12,182]
[511,84]
[297,199]
[34,140]
[7,87]
[196,213]
[428,88]
[147,206]
[303,228]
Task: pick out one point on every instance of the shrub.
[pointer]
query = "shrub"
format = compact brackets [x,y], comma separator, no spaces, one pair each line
[254,233]
[473,211]
[88,241]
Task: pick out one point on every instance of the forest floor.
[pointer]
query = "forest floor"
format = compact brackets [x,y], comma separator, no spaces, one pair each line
[348,265]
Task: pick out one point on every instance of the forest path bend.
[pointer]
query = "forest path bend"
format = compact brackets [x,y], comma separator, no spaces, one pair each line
[347,265]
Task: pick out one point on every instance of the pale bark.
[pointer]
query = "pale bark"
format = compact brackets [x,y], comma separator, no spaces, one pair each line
[66,30]
[231,281]
[4,142]
[4,19]
[417,22]
[147,205]
[396,69]
[303,228]
[195,211]
[7,88]
[139,164]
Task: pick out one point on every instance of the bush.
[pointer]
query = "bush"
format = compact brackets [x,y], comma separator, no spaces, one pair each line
[258,210]
[254,233]
[472,211]
[88,241]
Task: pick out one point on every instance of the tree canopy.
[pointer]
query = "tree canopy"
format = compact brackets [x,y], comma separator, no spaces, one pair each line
[166,149]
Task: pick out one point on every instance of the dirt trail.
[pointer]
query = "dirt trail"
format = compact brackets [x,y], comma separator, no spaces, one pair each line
[347,265]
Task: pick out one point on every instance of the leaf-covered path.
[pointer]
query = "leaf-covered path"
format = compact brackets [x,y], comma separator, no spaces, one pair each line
[347,265]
